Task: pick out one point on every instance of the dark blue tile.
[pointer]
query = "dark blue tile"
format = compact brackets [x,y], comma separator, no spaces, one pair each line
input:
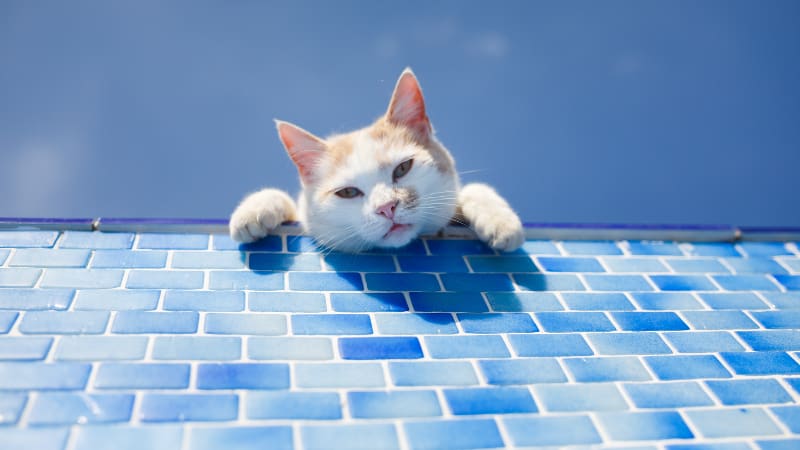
[790,282]
[349,436]
[742,392]
[719,320]
[713,249]
[480,282]
[43,376]
[548,282]
[703,342]
[188,407]
[607,369]
[617,283]
[585,301]
[345,262]
[649,321]
[683,283]
[271,243]
[142,376]
[523,301]
[502,264]
[293,405]
[495,400]
[331,324]
[686,367]
[570,264]
[453,434]
[772,340]
[61,408]
[325,281]
[179,300]
[241,438]
[243,376]
[761,363]
[448,302]
[790,416]
[283,262]
[435,263]
[581,397]
[7,319]
[287,301]
[173,241]
[298,244]
[458,247]
[443,347]
[779,444]
[794,383]
[668,395]
[368,302]
[432,373]
[654,248]
[733,301]
[155,322]
[380,348]
[745,283]
[415,247]
[549,345]
[551,431]
[416,323]
[562,322]
[666,300]
[714,446]
[497,323]
[522,371]
[162,437]
[591,248]
[628,343]
[726,423]
[399,282]
[778,319]
[641,426]
[245,280]
[393,404]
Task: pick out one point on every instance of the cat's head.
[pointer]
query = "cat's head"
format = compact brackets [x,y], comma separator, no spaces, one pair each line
[380,186]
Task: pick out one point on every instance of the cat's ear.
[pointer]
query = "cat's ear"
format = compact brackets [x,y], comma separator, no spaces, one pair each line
[304,148]
[407,107]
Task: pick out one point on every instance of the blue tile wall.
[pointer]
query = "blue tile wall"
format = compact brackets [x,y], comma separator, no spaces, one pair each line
[192,341]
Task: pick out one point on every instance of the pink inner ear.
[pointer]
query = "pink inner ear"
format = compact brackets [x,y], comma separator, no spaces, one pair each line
[304,148]
[407,106]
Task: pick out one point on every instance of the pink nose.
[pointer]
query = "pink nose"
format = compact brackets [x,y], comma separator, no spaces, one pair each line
[387,210]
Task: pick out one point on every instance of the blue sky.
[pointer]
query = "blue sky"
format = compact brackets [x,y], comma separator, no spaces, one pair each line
[614,111]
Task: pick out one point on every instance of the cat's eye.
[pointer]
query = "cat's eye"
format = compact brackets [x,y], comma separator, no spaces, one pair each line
[349,192]
[402,169]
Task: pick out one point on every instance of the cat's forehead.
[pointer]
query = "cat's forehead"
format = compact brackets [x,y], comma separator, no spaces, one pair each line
[364,150]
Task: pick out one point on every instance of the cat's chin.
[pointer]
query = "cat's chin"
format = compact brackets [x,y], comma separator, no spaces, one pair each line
[398,235]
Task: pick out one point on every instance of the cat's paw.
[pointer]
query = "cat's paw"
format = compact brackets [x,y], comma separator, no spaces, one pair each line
[501,232]
[259,214]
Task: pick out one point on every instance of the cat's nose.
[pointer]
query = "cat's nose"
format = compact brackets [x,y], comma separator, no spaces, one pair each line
[387,210]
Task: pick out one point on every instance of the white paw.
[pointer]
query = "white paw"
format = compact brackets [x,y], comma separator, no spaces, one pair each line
[502,232]
[259,214]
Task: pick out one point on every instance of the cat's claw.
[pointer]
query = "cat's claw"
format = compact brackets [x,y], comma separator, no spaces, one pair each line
[259,214]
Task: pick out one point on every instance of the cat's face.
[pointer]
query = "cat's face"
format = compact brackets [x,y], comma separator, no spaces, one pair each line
[380,186]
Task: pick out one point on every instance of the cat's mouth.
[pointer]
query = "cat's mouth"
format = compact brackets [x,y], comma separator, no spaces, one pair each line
[397,228]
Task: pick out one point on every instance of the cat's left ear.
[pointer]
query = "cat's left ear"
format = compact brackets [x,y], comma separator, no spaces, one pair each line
[304,148]
[407,107]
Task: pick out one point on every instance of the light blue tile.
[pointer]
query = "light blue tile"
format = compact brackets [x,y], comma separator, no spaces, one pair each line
[289,348]
[35,438]
[493,323]
[502,264]
[490,346]
[209,301]
[539,248]
[761,363]
[28,238]
[703,342]
[349,437]
[654,248]
[207,260]
[64,322]
[338,375]
[783,300]
[100,348]
[393,404]
[745,283]
[754,249]
[162,279]
[37,257]
[95,240]
[628,343]
[569,264]
[249,323]
[24,348]
[551,431]
[563,322]
[477,282]
[284,262]
[522,371]
[523,301]
[641,426]
[712,249]
[458,247]
[580,397]
[172,241]
[398,282]
[719,320]
[607,369]
[549,345]
[116,300]
[686,367]
[42,376]
[58,408]
[755,265]
[585,301]
[635,265]
[415,324]
[494,400]
[347,324]
[82,278]
[380,348]
[241,438]
[792,263]
[666,301]
[7,319]
[432,373]
[187,407]
[453,434]
[297,244]
[24,277]
[739,300]
[142,376]
[682,394]
[778,444]
[197,347]
[326,281]
[790,416]
[3,255]
[694,265]
[245,279]
[778,319]
[772,340]
[242,376]
[617,283]
[548,282]
[435,263]
[683,283]
[591,248]
[448,302]
[345,262]
[11,406]
[368,302]
[126,437]
[743,392]
[293,405]
[129,259]
[271,243]
[649,321]
[155,322]
[286,302]
[723,423]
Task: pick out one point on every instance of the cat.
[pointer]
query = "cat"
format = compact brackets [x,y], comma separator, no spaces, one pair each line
[380,186]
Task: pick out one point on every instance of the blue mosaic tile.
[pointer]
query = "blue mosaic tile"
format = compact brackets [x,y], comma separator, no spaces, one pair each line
[344,262]
[584,301]
[415,323]
[638,265]
[783,300]
[7,319]
[206,260]
[155,279]
[339,375]
[70,408]
[197,348]
[640,426]
[22,239]
[331,324]
[497,323]
[501,264]
[790,416]
[434,263]
[790,282]
[654,248]
[481,282]
[19,277]
[380,348]
[383,405]
[289,348]
[32,300]
[522,371]
[60,322]
[580,397]
[326,281]
[778,319]
[779,444]
[723,423]
[176,300]
[682,394]
[100,348]
[30,438]
[242,376]
[432,373]
[4,255]
[155,407]
[754,249]
[549,345]
[11,406]
[548,282]
[36,257]
[713,249]
[649,321]
[591,248]
[448,302]
[523,301]
[743,392]
[43,376]
[686,367]
[286,301]
[444,347]
[570,264]
[293,405]
[794,383]
[372,302]
[116,300]
[628,343]
[745,283]
[761,363]
[697,266]
[755,265]
[253,324]
[683,283]
[551,431]
[666,301]
[349,437]
[563,322]
[129,438]
[241,280]
[172,241]
[453,434]
[95,240]
[155,322]
[738,300]
[271,243]
[241,438]
[24,348]
[704,342]
[539,248]
[771,340]
[398,282]
[82,278]
[128,259]
[496,400]
[284,262]
[617,283]
[719,320]
[458,247]
[142,376]
[607,369]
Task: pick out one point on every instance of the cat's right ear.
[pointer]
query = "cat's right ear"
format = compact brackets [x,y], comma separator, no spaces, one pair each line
[304,148]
